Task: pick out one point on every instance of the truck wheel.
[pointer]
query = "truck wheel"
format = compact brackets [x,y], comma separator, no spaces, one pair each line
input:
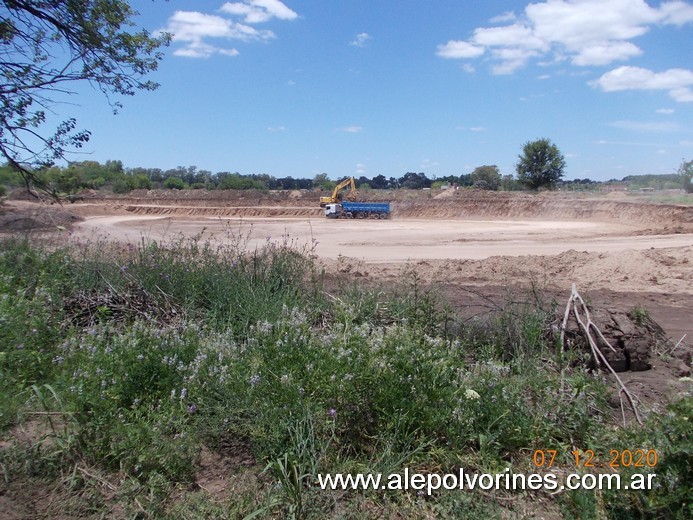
[362,215]
[383,216]
[349,214]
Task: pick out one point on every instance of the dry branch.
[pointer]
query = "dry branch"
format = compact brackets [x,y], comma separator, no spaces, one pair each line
[578,308]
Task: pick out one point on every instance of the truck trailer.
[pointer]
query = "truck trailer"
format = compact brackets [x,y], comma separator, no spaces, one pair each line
[379,210]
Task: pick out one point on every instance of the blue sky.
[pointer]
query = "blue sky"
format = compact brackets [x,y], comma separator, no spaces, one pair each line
[368,87]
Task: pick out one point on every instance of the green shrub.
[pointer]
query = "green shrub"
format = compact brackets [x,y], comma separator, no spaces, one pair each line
[152,351]
[175,183]
[123,185]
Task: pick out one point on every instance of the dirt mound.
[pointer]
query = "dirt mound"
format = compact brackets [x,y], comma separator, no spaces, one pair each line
[627,341]
[205,198]
[22,216]
[21,194]
[211,211]
[655,269]
[468,204]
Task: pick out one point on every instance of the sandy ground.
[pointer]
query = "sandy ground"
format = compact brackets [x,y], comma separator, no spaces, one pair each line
[631,253]
[395,241]
[597,255]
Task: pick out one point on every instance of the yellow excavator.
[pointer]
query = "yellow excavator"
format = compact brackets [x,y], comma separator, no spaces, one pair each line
[337,196]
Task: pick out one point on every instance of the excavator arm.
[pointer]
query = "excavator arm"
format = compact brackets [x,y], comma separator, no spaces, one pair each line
[336,196]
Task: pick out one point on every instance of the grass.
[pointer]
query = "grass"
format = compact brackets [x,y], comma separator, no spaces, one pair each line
[682,199]
[131,363]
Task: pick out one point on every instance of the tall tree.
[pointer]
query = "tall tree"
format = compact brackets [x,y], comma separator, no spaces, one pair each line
[486,177]
[415,181]
[685,172]
[540,165]
[47,46]
[321,180]
[379,182]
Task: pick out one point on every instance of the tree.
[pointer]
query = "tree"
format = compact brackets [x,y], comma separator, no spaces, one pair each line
[175,183]
[509,183]
[685,172]
[486,177]
[414,181]
[288,183]
[236,181]
[322,181]
[47,46]
[379,182]
[540,165]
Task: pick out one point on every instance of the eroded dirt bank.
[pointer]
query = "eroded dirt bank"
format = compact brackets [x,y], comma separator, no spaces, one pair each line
[461,204]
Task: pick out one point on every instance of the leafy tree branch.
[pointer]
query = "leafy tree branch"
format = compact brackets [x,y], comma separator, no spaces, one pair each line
[46,47]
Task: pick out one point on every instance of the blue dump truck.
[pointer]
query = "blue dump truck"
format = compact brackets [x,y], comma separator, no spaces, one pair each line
[380,210]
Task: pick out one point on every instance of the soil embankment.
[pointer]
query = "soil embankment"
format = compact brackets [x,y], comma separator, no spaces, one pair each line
[463,204]
[502,206]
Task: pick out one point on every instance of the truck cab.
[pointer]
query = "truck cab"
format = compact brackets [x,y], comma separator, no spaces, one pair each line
[333,210]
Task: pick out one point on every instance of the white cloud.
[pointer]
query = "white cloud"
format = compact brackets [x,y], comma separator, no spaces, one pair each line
[458,49]
[665,111]
[259,11]
[192,25]
[677,13]
[202,50]
[508,16]
[509,60]
[351,129]
[361,40]
[682,95]
[274,129]
[605,53]
[679,82]
[516,36]
[588,32]
[192,28]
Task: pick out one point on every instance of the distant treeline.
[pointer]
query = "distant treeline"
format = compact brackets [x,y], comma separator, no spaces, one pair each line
[113,176]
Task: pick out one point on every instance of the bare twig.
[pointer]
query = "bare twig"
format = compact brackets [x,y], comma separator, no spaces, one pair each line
[677,344]
[584,320]
[97,478]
